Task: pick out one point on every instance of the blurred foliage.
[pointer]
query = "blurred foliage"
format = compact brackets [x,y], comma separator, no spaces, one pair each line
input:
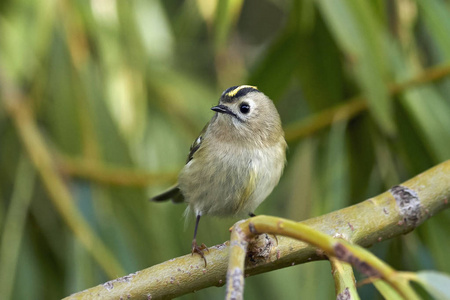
[121,88]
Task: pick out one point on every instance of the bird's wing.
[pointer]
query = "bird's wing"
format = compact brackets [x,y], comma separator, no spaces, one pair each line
[174,192]
[196,144]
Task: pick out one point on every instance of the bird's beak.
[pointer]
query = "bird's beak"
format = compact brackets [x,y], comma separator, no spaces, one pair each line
[222,109]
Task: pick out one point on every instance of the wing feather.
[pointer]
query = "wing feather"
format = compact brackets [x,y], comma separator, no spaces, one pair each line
[196,144]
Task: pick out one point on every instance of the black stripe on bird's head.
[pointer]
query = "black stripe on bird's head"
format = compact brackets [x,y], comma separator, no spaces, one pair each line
[235,92]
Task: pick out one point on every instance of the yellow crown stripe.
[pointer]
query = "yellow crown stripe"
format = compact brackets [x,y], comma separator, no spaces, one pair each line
[236,90]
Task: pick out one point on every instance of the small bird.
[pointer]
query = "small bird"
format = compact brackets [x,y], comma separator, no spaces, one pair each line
[235,162]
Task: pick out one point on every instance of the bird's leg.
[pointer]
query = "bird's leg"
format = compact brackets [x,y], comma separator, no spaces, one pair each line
[196,248]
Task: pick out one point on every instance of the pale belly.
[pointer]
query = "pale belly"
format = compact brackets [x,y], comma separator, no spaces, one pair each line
[231,184]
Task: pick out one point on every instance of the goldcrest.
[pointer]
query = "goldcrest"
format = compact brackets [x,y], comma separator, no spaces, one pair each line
[235,162]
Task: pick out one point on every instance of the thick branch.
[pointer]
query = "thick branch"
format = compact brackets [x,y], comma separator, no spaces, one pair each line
[376,219]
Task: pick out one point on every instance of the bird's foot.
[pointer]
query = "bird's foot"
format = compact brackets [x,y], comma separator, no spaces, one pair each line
[199,249]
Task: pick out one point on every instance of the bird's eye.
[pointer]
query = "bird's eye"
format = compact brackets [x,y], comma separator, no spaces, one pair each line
[244,108]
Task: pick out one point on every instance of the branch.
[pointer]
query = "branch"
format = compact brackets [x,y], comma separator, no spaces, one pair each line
[395,212]
[351,108]
[100,172]
[344,279]
[360,258]
[106,174]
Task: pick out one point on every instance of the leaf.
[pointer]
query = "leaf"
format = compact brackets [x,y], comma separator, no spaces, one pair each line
[336,177]
[362,39]
[386,290]
[320,65]
[436,283]
[431,118]
[437,18]
[281,59]
[227,12]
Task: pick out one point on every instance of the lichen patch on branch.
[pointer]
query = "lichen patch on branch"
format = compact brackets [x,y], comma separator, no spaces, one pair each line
[343,253]
[408,203]
[344,295]
[110,284]
[260,248]
[237,285]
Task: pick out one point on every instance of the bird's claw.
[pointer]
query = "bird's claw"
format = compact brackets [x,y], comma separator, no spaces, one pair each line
[199,250]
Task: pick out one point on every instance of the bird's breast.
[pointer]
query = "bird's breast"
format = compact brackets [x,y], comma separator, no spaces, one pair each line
[229,180]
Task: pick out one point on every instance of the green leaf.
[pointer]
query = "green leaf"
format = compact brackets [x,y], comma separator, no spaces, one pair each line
[387,291]
[437,18]
[430,113]
[336,176]
[363,40]
[273,73]
[227,12]
[320,65]
[436,283]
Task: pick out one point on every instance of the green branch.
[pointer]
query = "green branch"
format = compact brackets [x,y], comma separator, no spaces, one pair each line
[344,279]
[360,258]
[101,172]
[98,171]
[353,107]
[383,217]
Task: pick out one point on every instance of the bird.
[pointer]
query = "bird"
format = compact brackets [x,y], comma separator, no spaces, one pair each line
[235,162]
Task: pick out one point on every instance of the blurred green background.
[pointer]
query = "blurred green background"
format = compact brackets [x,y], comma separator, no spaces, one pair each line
[120,89]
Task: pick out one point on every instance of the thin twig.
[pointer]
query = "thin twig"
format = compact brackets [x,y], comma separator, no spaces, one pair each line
[112,175]
[360,258]
[344,279]
[103,173]
[353,107]
[235,273]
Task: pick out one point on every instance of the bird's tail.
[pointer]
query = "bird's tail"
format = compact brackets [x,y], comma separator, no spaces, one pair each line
[172,193]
